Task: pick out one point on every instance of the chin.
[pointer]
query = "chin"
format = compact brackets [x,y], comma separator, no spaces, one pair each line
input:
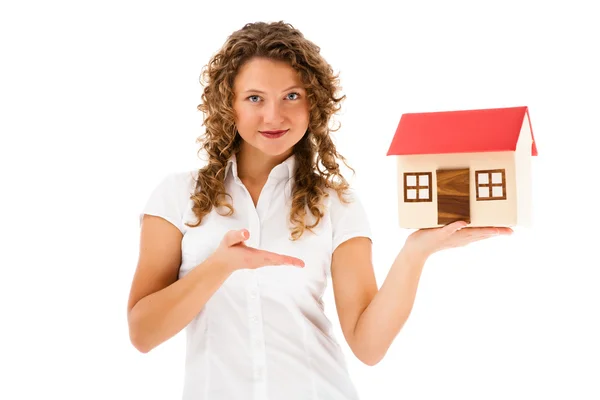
[276,147]
[274,151]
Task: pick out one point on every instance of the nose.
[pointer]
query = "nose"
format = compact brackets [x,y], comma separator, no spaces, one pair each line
[273,115]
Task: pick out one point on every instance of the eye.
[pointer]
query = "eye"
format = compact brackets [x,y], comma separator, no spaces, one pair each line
[253,97]
[297,95]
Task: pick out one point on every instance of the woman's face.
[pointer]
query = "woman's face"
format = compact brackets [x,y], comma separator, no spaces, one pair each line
[270,104]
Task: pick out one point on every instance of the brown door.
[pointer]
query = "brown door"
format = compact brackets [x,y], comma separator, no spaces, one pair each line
[453,195]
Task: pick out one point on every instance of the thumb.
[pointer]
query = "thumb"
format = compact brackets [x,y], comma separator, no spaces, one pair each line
[454,227]
[236,236]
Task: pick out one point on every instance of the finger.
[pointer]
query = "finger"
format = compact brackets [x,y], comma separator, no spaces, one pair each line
[453,227]
[296,262]
[236,236]
[485,231]
[489,231]
[280,259]
[287,260]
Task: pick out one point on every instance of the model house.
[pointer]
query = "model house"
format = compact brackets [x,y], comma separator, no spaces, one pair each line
[470,165]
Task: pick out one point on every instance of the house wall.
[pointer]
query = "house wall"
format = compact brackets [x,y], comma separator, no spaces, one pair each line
[415,215]
[523,175]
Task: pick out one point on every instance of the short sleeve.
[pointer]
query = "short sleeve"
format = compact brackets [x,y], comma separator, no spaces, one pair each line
[348,220]
[168,199]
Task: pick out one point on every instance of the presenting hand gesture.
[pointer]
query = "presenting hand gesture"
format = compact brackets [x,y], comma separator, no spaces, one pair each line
[234,254]
[426,242]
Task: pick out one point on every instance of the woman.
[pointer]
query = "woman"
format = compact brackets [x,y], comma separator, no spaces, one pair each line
[239,252]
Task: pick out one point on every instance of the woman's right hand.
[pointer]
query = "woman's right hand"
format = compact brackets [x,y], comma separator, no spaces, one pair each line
[234,254]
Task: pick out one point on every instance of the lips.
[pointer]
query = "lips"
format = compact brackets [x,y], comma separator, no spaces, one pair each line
[274,134]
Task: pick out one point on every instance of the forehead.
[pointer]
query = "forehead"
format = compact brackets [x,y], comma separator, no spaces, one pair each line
[262,73]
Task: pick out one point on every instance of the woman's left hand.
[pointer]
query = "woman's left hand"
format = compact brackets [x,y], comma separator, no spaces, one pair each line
[425,242]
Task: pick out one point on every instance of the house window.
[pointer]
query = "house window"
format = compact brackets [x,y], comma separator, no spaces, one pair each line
[490,184]
[417,186]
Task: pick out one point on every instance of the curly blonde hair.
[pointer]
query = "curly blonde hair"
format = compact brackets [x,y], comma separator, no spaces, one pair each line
[279,41]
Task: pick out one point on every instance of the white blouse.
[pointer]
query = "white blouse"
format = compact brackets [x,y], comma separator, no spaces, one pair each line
[263,334]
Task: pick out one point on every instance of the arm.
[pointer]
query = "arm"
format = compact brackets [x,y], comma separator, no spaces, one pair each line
[159,304]
[372,318]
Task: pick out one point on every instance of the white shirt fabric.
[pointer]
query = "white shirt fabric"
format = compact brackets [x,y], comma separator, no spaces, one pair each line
[263,334]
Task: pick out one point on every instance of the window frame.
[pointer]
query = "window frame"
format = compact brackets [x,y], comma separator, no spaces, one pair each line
[417,187]
[490,185]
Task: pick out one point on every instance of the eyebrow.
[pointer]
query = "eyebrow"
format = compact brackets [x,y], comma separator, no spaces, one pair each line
[285,90]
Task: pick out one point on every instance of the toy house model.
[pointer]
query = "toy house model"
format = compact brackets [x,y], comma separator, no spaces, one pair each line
[470,165]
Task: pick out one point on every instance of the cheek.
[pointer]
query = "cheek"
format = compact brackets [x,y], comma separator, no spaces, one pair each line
[301,115]
[246,117]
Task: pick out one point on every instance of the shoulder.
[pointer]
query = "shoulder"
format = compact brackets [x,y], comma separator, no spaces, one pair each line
[347,215]
[181,182]
[170,197]
[186,180]
[343,200]
[174,189]
[346,207]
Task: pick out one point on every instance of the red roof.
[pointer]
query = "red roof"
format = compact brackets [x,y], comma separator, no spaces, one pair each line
[465,131]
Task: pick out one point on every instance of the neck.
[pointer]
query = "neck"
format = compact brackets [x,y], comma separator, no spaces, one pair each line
[255,166]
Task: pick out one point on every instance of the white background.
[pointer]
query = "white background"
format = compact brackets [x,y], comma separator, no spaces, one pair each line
[98,102]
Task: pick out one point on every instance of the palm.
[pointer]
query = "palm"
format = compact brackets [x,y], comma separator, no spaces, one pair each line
[251,257]
[234,253]
[456,234]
